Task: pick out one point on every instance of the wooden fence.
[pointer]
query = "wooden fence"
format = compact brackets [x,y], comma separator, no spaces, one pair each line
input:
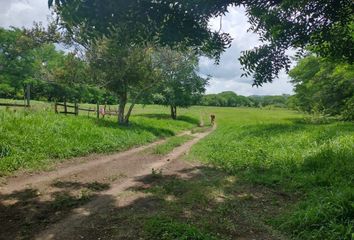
[27,100]
[71,109]
[75,109]
[14,105]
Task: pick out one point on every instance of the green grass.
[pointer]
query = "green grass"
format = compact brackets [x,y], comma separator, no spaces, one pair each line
[278,149]
[37,138]
[168,229]
[170,144]
[309,160]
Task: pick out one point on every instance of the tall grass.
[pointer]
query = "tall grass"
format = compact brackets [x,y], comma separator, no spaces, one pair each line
[275,148]
[35,139]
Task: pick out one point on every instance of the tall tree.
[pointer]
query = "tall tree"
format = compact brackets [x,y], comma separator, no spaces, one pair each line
[16,60]
[180,85]
[324,26]
[126,71]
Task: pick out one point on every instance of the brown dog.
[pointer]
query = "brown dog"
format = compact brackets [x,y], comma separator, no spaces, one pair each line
[212,119]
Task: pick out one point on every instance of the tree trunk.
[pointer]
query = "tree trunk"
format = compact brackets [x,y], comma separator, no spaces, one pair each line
[137,97]
[127,116]
[173,112]
[121,107]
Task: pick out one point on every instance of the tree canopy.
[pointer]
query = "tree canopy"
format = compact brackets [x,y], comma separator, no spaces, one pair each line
[127,71]
[51,73]
[180,85]
[324,26]
[323,86]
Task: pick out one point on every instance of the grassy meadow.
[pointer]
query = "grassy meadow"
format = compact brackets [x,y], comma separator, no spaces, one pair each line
[34,139]
[308,161]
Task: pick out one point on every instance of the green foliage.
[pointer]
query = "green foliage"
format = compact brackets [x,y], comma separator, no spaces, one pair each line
[16,57]
[324,87]
[231,99]
[123,69]
[180,84]
[34,140]
[325,27]
[52,74]
[278,149]
[226,99]
[168,229]
[325,215]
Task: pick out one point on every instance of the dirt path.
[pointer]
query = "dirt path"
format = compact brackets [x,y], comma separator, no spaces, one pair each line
[115,196]
[55,204]
[81,165]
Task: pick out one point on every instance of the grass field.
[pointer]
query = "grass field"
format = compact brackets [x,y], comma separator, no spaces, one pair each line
[308,163]
[281,150]
[37,138]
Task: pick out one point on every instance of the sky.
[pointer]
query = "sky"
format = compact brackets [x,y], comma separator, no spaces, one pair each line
[224,77]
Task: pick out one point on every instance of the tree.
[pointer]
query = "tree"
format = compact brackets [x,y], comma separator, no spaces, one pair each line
[126,71]
[28,57]
[324,26]
[180,85]
[16,61]
[324,86]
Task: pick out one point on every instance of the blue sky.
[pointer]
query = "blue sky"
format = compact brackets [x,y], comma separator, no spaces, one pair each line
[224,77]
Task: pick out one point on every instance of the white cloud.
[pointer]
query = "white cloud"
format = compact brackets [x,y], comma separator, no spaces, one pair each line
[22,13]
[227,75]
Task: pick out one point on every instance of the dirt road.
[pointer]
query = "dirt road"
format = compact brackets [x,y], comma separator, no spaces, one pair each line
[55,204]
[116,196]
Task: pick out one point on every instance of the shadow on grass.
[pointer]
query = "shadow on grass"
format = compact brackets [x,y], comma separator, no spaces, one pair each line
[204,198]
[158,132]
[26,213]
[133,126]
[275,129]
[168,117]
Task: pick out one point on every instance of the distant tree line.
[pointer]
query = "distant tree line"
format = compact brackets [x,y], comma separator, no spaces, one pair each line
[231,99]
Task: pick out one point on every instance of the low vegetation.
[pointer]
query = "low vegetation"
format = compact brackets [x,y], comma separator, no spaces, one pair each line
[170,144]
[302,167]
[268,172]
[167,229]
[278,149]
[35,139]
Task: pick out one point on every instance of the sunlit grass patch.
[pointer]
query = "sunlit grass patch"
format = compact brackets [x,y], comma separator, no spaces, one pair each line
[278,149]
[168,229]
[170,144]
[34,139]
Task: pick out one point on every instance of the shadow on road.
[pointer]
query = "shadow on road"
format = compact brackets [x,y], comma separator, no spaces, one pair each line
[203,197]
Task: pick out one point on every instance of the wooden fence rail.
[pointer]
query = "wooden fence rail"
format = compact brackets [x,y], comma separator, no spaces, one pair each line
[77,108]
[27,99]
[74,109]
[13,105]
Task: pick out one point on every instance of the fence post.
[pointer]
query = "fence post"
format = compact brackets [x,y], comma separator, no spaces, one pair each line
[56,108]
[65,107]
[76,108]
[28,95]
[98,110]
